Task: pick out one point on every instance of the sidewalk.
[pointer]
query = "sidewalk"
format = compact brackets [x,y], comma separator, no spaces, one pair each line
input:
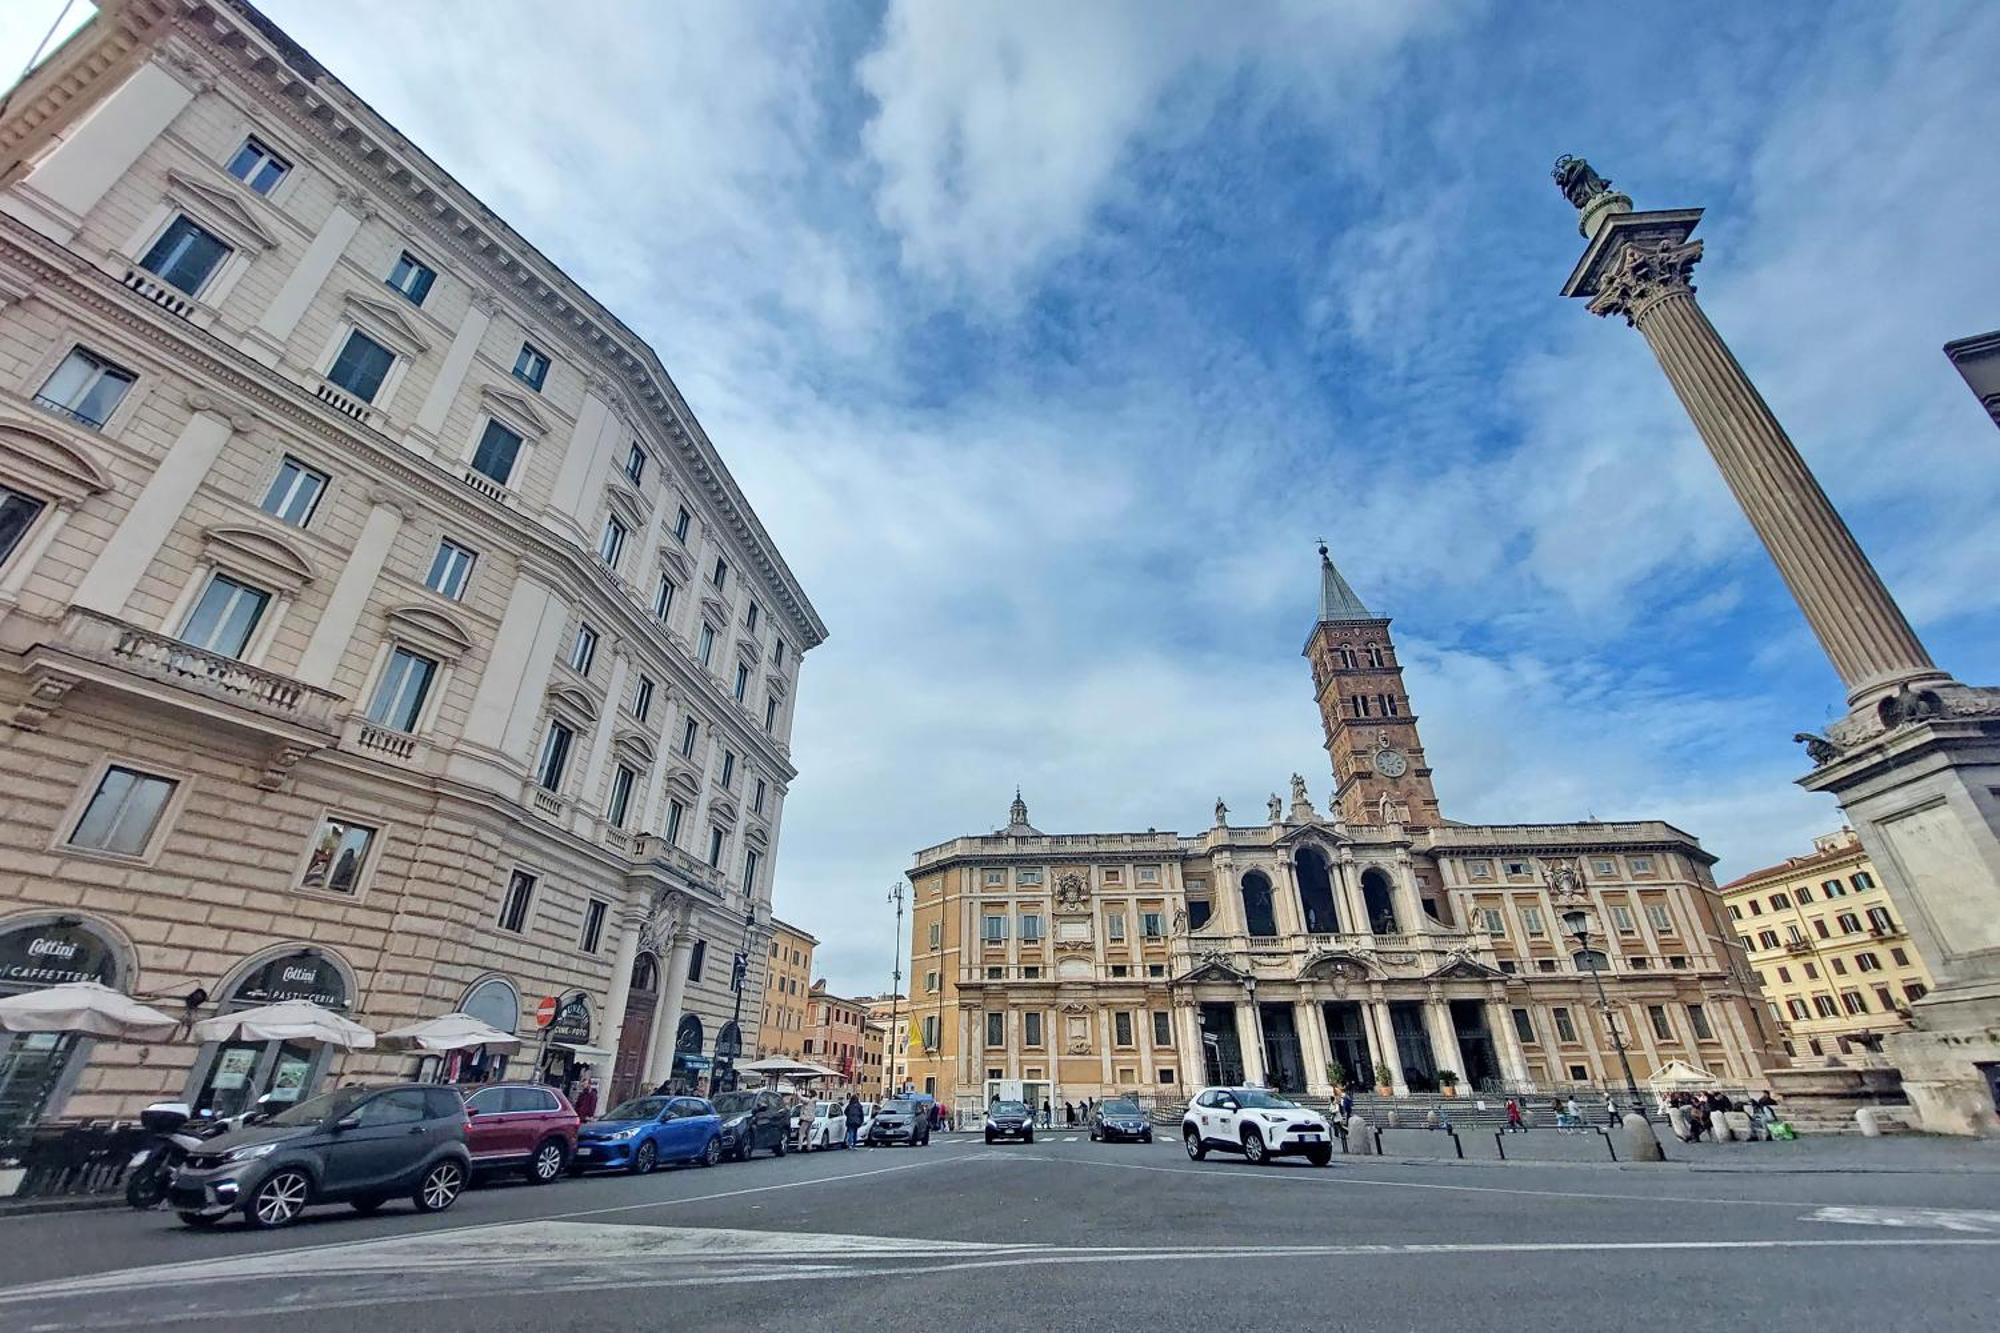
[1822,1154]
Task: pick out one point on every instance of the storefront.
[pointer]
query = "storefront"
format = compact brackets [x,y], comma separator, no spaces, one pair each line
[38,1069]
[568,1058]
[689,1063]
[728,1047]
[230,1076]
[494,1002]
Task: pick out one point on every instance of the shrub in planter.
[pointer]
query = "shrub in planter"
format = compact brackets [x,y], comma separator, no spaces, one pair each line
[1448,1080]
[1385,1081]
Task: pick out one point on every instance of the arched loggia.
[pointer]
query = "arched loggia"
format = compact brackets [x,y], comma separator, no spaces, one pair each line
[1316,901]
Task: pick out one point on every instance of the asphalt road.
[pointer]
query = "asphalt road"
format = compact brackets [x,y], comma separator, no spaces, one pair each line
[1061,1234]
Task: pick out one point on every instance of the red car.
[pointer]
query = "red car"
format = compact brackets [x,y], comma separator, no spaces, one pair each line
[520,1126]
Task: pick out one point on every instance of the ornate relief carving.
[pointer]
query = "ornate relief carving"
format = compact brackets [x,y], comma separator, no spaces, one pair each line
[1072,893]
[1642,276]
[1565,877]
[45,696]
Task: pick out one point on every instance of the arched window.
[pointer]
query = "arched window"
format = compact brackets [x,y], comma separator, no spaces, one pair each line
[1258,917]
[1590,960]
[646,973]
[495,1003]
[1348,661]
[688,1037]
[1375,654]
[1315,893]
[1379,901]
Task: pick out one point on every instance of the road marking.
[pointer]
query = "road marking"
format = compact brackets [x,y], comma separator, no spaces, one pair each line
[1949,1219]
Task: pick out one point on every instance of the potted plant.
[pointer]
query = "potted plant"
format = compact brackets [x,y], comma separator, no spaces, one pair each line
[1336,1075]
[1385,1082]
[1448,1080]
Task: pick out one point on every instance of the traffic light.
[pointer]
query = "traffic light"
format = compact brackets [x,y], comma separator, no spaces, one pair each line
[739,971]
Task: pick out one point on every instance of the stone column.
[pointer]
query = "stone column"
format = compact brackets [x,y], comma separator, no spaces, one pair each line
[1444,1037]
[1513,1059]
[572,500]
[1314,1048]
[667,1018]
[1193,1056]
[1250,1037]
[590,801]
[124,559]
[444,389]
[72,177]
[619,994]
[344,605]
[1382,1035]
[266,342]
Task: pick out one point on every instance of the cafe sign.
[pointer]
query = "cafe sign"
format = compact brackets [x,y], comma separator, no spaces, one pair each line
[571,1025]
[53,954]
[306,976]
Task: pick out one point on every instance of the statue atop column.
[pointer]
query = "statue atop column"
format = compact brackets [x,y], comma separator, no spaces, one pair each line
[1277,809]
[1221,814]
[1578,180]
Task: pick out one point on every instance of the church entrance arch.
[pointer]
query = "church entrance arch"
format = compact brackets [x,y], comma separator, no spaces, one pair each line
[1258,918]
[1380,901]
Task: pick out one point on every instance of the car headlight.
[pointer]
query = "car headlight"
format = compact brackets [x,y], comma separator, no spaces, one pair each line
[246,1154]
[621,1134]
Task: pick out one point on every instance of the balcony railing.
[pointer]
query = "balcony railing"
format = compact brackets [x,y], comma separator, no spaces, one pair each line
[161,295]
[486,486]
[343,402]
[67,412]
[386,741]
[547,802]
[104,639]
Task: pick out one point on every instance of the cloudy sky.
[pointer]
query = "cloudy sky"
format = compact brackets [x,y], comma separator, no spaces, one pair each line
[1047,337]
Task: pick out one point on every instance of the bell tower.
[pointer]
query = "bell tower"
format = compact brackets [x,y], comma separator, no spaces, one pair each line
[1371,729]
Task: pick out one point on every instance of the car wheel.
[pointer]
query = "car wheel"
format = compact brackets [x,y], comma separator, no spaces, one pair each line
[712,1153]
[146,1189]
[279,1200]
[371,1203]
[1254,1151]
[1320,1154]
[440,1187]
[1028,1137]
[1093,1136]
[1147,1137]
[200,1221]
[644,1160]
[547,1163]
[1196,1150]
[778,1148]
[989,1138]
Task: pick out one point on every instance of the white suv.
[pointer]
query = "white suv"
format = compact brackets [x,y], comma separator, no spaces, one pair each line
[1257,1123]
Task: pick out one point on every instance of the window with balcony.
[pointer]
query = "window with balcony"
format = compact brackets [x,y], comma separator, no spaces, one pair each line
[225,616]
[499,449]
[186,256]
[86,388]
[411,278]
[361,366]
[294,493]
[531,367]
[123,812]
[554,761]
[339,855]
[611,545]
[400,694]
[623,780]
[18,512]
[519,898]
[257,166]
[451,569]
[583,650]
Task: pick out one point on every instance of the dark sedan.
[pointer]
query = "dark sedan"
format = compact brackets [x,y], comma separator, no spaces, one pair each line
[753,1120]
[1120,1118]
[1010,1120]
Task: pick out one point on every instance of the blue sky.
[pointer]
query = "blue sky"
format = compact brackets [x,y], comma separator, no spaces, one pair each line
[1046,338]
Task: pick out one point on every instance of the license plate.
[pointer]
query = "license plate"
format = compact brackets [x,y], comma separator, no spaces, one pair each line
[585,1151]
[1308,1133]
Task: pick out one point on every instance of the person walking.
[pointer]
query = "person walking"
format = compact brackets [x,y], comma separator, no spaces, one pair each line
[1046,1123]
[1610,1110]
[1574,1112]
[1514,1125]
[854,1118]
[586,1101]
[1346,1105]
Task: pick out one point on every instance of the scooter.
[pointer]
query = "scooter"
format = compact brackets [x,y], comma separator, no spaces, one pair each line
[179,1132]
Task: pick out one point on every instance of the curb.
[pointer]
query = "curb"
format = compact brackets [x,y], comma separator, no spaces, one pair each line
[1672,1164]
[89,1203]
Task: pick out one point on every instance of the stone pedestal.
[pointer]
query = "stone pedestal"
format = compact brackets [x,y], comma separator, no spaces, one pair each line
[1823,1100]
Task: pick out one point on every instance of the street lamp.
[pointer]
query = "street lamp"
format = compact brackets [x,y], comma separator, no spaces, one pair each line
[739,980]
[1577,923]
[895,993]
[1256,1029]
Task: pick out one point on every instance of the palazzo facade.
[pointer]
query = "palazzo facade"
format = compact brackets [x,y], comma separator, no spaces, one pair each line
[1374,941]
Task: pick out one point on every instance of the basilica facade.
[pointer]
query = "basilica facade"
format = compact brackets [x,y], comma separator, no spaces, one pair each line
[1372,943]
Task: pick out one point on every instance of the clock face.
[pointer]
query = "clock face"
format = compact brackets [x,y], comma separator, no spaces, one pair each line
[1390,763]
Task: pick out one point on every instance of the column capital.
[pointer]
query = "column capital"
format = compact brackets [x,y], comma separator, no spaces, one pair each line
[1639,276]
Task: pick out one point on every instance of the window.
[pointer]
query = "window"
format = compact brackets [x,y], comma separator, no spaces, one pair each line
[1916,990]
[635,464]
[531,367]
[676,812]
[742,686]
[1826,1007]
[1812,973]
[1114,926]
[1756,908]
[771,713]
[696,959]
[757,797]
[451,570]
[1163,1029]
[1853,1002]
[1565,1029]
[996,1030]
[555,756]
[1531,919]
[1819,927]
[995,973]
[777,652]
[1780,901]
[1114,877]
[1868,962]
[1637,963]
[689,734]
[258,167]
[1121,969]
[752,616]
[1479,869]
[1031,1029]
[1489,921]
[715,839]
[642,698]
[706,649]
[1767,939]
[1642,865]
[1862,881]
[1899,957]
[361,366]
[622,781]
[123,811]
[514,907]
[498,449]
[1662,1029]
[1604,868]
[936,934]
[728,768]
[611,546]
[1524,1027]
[1027,877]
[1150,925]
[294,492]
[1121,1028]
[17,515]
[1515,869]
[1359,703]
[1880,921]
[86,388]
[412,277]
[1657,914]
[930,982]
[751,860]
[1884,998]
[399,696]
[1802,895]
[1031,928]
[1677,960]
[930,1032]
[1833,888]
[683,520]
[223,620]
[995,877]
[1735,912]
[719,576]
[185,256]
[1840,967]
[994,930]
[1698,1020]
[1850,923]
[1031,974]
[593,925]
[1621,919]
[583,651]
[1797,1008]
[663,597]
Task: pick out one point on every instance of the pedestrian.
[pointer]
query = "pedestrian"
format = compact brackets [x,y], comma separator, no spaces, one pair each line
[1046,1122]
[1431,1118]
[1346,1104]
[1574,1112]
[1610,1110]
[1514,1125]
[586,1101]
[854,1118]
[1069,1115]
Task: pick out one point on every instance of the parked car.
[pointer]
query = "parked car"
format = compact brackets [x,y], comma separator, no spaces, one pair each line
[640,1134]
[1119,1118]
[523,1127]
[822,1125]
[753,1120]
[901,1120]
[1257,1123]
[358,1146]
[1010,1120]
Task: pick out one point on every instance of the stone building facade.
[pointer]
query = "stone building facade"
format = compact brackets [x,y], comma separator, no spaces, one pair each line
[1838,969]
[1377,936]
[841,1036]
[377,624]
[787,984]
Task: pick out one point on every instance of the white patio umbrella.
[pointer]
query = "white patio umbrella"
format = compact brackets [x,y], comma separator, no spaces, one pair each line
[292,1020]
[778,1066]
[84,1006]
[451,1032]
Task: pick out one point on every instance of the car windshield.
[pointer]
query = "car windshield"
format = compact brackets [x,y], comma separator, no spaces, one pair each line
[1258,1099]
[735,1103]
[1121,1108]
[639,1108]
[1009,1108]
[900,1108]
[314,1110]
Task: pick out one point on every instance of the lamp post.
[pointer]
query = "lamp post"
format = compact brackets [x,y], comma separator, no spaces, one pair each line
[1256,1031]
[1644,1142]
[739,979]
[895,992]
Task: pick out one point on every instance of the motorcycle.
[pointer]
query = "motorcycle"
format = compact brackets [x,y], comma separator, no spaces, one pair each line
[179,1131]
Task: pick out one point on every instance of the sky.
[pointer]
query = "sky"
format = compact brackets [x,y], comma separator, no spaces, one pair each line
[1048,338]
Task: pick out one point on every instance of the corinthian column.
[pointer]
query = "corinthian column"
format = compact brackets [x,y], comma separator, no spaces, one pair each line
[1637,266]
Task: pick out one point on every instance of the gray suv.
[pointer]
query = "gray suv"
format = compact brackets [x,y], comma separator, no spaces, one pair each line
[358,1146]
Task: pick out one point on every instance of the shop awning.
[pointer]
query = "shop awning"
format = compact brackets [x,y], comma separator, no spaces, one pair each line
[451,1032]
[292,1020]
[589,1055]
[88,1007]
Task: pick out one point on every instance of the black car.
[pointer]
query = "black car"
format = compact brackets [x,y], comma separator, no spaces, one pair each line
[901,1120]
[1010,1120]
[1118,1119]
[753,1120]
[358,1146]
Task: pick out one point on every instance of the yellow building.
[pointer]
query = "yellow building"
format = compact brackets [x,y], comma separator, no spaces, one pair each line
[1836,966]
[892,1013]
[786,993]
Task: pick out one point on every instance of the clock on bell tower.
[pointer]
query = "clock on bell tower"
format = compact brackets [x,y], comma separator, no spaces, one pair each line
[1371,730]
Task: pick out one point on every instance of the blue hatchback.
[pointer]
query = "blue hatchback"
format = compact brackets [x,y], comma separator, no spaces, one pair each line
[640,1134]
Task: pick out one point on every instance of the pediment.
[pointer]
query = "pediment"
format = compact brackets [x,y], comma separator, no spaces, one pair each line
[714,612]
[263,555]
[635,743]
[1327,964]
[47,464]
[675,564]
[578,705]
[757,834]
[431,628]
[1213,966]
[775,683]
[723,812]
[684,780]
[514,407]
[223,209]
[1461,968]
[626,505]
[386,322]
[748,651]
